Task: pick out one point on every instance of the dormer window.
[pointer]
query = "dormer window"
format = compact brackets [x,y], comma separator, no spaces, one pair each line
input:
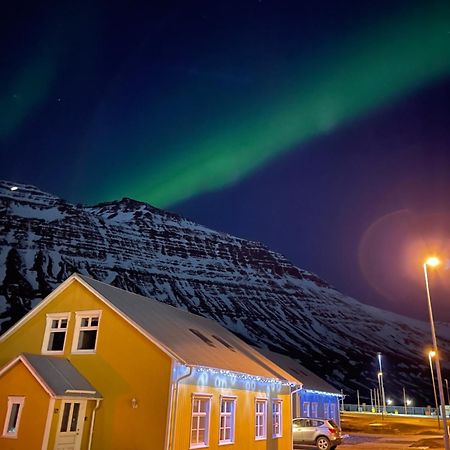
[86,331]
[55,333]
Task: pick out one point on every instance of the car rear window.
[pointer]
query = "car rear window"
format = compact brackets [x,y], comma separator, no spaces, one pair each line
[333,423]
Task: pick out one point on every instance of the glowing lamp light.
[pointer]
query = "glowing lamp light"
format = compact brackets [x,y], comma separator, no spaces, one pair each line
[13,188]
[432,354]
[389,401]
[433,261]
[408,401]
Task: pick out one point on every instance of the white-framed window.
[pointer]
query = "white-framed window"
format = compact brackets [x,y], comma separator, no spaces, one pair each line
[227,420]
[13,413]
[277,424]
[326,411]
[260,418]
[201,407]
[314,409]
[305,412]
[85,335]
[332,410]
[55,333]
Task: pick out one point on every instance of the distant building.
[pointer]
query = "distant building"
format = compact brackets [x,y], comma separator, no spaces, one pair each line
[316,398]
[93,367]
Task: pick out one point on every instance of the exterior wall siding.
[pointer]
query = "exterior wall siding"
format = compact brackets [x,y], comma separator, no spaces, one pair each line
[218,386]
[18,381]
[126,365]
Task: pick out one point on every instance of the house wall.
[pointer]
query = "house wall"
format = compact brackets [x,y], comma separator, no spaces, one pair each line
[18,381]
[327,405]
[245,393]
[126,365]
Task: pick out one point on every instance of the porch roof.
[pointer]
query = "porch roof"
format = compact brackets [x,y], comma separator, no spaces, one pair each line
[60,377]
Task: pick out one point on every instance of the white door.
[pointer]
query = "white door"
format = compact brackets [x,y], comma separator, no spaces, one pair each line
[70,425]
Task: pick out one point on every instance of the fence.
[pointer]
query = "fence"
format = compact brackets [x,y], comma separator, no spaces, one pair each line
[390,409]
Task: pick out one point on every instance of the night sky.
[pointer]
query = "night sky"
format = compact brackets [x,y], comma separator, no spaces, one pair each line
[319,128]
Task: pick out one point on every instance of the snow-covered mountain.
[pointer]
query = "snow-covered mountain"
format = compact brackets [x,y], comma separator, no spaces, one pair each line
[248,288]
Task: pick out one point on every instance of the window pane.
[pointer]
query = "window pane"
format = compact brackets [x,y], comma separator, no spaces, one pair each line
[63,323]
[74,421]
[94,321]
[65,419]
[87,339]
[56,341]
[55,323]
[13,418]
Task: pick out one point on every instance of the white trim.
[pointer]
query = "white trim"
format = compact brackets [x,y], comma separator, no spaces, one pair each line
[23,360]
[88,314]
[277,401]
[120,313]
[207,397]
[263,414]
[40,306]
[232,415]
[48,424]
[13,400]
[50,317]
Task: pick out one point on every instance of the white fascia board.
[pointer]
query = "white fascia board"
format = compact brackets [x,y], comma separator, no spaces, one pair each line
[144,332]
[31,369]
[44,302]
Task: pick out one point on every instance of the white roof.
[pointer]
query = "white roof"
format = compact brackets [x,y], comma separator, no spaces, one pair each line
[190,339]
[311,382]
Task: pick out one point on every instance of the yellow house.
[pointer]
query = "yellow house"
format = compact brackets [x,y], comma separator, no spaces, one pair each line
[94,367]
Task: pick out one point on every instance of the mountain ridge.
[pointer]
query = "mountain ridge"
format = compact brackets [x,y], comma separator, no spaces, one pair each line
[251,290]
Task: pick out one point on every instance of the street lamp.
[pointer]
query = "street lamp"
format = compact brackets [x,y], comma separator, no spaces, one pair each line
[433,262]
[432,354]
[380,380]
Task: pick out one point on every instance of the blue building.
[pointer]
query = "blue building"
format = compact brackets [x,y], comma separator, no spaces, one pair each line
[316,398]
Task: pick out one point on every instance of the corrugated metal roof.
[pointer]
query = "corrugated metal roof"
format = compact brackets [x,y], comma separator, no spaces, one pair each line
[188,338]
[61,377]
[310,380]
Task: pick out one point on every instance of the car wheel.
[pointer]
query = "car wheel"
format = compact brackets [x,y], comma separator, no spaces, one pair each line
[322,443]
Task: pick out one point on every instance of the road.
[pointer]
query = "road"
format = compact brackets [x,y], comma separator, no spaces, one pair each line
[363,441]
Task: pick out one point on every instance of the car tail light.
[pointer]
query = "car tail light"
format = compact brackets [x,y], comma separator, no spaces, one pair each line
[332,430]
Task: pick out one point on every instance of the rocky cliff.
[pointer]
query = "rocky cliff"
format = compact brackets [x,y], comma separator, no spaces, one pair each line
[249,289]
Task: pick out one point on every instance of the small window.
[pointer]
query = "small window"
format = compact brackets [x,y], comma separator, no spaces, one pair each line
[86,331]
[227,420]
[13,413]
[202,337]
[332,411]
[260,419]
[201,406]
[326,410]
[314,409]
[277,424]
[224,343]
[55,333]
[305,411]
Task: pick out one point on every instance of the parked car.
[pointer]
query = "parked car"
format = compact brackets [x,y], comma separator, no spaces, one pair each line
[325,434]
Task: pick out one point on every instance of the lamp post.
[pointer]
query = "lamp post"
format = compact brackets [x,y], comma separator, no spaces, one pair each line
[434,262]
[380,375]
[431,355]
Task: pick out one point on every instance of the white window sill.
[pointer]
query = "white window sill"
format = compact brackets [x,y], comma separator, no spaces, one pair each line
[10,436]
[263,438]
[226,443]
[199,446]
[83,352]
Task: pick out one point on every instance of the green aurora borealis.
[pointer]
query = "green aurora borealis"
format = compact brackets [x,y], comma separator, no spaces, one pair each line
[212,128]
[365,71]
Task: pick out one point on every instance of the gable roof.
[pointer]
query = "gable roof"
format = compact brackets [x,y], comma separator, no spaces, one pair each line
[311,381]
[191,339]
[185,337]
[56,375]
